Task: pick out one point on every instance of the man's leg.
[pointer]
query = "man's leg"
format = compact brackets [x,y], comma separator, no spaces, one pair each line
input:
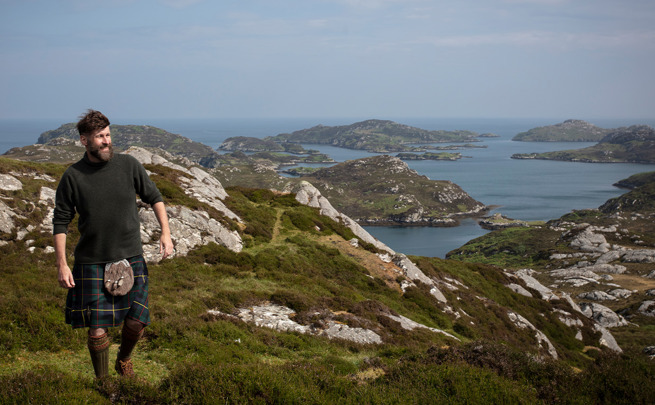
[131,334]
[98,343]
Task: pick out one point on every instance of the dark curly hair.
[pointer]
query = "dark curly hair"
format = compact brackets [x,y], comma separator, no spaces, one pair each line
[91,122]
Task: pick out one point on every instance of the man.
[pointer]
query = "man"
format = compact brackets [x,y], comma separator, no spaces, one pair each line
[102,189]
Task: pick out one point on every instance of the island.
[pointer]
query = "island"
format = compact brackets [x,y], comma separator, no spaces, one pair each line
[635,144]
[429,156]
[567,131]
[378,136]
[383,190]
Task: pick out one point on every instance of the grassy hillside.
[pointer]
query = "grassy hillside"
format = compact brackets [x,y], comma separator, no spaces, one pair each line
[299,259]
[627,225]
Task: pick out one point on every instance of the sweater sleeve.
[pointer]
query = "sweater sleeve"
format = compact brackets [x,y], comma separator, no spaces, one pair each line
[64,211]
[143,185]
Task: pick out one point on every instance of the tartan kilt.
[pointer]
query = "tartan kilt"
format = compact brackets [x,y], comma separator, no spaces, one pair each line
[89,305]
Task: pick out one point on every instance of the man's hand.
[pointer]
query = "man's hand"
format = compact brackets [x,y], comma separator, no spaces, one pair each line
[165,242]
[165,246]
[66,277]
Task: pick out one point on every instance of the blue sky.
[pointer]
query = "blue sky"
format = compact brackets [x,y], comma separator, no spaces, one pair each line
[580,59]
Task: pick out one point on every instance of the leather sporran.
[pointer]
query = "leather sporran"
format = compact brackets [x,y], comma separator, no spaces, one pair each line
[119,277]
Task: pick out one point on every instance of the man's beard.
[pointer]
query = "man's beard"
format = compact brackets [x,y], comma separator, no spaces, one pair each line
[102,155]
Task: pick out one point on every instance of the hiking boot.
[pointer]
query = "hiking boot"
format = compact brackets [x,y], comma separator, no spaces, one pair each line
[124,368]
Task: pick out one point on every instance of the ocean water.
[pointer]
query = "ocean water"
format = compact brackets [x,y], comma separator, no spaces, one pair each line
[521,189]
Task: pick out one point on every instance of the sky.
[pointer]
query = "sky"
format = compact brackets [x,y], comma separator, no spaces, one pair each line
[579,59]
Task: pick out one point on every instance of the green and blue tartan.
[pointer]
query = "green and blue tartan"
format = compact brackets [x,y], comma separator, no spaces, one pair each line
[89,305]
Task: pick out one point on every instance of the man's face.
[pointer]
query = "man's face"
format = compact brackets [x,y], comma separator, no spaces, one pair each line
[98,145]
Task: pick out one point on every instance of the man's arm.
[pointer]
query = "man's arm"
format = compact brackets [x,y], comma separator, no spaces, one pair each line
[165,242]
[65,275]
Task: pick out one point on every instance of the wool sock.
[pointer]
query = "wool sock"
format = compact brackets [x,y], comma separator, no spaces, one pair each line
[129,339]
[99,351]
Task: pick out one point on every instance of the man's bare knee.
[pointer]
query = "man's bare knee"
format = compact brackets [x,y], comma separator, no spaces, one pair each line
[97,331]
[134,326]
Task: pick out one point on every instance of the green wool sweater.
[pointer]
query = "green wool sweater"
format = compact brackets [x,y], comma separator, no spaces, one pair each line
[104,196]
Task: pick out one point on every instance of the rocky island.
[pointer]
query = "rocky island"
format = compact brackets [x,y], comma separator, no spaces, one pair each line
[567,131]
[635,144]
[383,190]
[378,136]
[429,156]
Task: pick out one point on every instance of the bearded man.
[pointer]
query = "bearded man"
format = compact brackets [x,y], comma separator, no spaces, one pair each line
[102,188]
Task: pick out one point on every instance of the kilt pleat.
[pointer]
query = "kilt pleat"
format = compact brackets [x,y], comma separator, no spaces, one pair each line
[89,305]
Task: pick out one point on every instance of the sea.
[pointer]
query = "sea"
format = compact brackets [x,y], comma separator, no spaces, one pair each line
[530,190]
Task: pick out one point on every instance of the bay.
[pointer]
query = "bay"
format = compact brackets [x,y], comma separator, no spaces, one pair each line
[522,189]
[530,190]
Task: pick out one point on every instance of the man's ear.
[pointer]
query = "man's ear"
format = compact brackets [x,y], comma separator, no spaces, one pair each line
[83,139]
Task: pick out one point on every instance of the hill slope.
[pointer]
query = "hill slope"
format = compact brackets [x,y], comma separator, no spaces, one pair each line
[354,322]
[603,258]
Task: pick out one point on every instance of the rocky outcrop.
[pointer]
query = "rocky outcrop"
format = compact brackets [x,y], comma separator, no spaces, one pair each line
[280,318]
[526,275]
[7,216]
[603,315]
[522,323]
[602,318]
[583,237]
[498,221]
[189,229]
[309,195]
[596,296]
[413,273]
[10,216]
[9,183]
[639,256]
[647,308]
[408,324]
[197,183]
